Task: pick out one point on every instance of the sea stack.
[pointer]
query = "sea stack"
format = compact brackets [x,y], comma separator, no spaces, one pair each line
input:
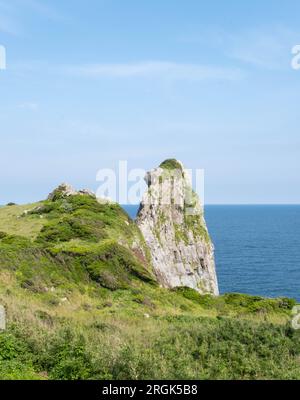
[171,220]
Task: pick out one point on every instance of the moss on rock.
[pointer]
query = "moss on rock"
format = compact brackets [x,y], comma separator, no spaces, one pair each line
[171,164]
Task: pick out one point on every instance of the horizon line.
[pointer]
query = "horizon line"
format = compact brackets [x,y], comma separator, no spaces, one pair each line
[206,204]
[235,204]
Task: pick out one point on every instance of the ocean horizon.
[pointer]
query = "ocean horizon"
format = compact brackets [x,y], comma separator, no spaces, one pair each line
[257,247]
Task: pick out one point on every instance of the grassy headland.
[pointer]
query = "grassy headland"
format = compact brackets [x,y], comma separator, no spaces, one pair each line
[82,302]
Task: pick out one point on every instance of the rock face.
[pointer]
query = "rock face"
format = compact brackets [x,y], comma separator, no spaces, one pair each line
[172,223]
[65,190]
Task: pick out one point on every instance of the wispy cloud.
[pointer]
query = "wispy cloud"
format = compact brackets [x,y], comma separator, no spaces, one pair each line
[265,47]
[155,69]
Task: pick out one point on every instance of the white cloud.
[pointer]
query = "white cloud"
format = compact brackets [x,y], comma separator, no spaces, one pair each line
[268,49]
[156,69]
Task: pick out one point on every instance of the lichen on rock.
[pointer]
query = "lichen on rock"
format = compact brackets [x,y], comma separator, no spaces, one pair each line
[172,223]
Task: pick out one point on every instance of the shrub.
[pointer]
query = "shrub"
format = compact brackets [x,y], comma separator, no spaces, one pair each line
[17,370]
[14,240]
[72,228]
[68,358]
[10,347]
[113,266]
[236,302]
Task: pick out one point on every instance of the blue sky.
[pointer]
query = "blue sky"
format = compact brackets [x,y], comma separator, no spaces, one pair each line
[208,82]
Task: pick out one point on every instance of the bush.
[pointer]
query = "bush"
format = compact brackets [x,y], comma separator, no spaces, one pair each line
[171,347]
[10,347]
[67,357]
[72,228]
[17,370]
[113,266]
[238,303]
[14,240]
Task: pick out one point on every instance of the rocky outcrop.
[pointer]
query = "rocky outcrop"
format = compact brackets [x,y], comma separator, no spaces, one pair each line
[65,190]
[172,223]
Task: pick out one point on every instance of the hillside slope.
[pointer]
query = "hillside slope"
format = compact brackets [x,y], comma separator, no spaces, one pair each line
[82,302]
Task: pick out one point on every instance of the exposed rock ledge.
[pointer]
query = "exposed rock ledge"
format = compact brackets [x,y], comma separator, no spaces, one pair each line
[66,190]
[172,223]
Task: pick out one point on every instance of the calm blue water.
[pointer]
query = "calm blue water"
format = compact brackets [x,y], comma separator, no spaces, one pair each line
[257,248]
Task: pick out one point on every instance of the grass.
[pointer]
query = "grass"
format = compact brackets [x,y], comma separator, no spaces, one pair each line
[15,222]
[121,335]
[82,303]
[144,332]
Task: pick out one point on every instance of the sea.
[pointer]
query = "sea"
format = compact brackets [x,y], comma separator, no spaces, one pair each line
[257,248]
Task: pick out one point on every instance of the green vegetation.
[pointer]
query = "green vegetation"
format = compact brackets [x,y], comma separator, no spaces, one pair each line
[124,344]
[172,170]
[181,234]
[82,302]
[236,303]
[15,221]
[195,223]
[193,216]
[171,164]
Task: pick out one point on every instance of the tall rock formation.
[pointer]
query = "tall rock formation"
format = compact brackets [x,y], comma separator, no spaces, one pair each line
[172,223]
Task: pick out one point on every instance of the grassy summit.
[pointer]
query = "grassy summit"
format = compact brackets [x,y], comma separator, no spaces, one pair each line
[82,302]
[171,164]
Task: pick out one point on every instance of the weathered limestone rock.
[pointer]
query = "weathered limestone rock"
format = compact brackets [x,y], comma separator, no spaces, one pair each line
[2,319]
[172,223]
[65,190]
[87,192]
